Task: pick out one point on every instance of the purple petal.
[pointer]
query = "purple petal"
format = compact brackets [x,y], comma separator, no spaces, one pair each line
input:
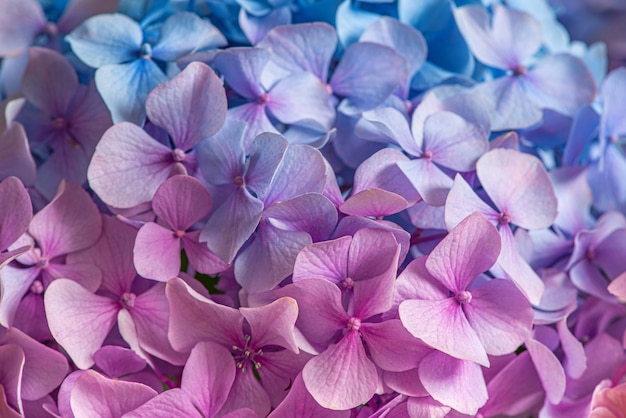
[49,81]
[117,361]
[78,319]
[462,201]
[181,201]
[242,68]
[87,275]
[106,39]
[247,392]
[190,106]
[95,395]
[255,116]
[5,408]
[266,153]
[128,156]
[208,377]
[374,202]
[560,82]
[442,325]
[273,324]
[390,124]
[575,362]
[222,156]
[15,157]
[342,377]
[416,282]
[16,211]
[428,179]
[501,316]
[455,383]
[221,324]
[12,358]
[78,11]
[231,224]
[366,82]
[549,370]
[14,284]
[172,403]
[270,258]
[21,22]
[453,142]
[200,257]
[184,33]
[306,47]
[514,36]
[471,248]
[71,222]
[526,194]
[325,260]
[256,27]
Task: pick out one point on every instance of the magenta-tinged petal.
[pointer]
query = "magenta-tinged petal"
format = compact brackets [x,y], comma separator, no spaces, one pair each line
[15,157]
[518,269]
[232,223]
[374,202]
[512,38]
[208,376]
[372,253]
[171,403]
[44,367]
[453,142]
[254,115]
[191,106]
[112,254]
[49,81]
[428,179]
[87,275]
[181,201]
[575,362]
[96,396]
[455,383]
[78,319]
[116,361]
[5,409]
[278,371]
[306,47]
[327,260]
[618,286]
[14,284]
[427,407]
[471,248]
[11,374]
[501,316]
[157,252]
[462,201]
[342,377]
[519,186]
[391,124]
[266,153]
[20,23]
[247,392]
[270,258]
[391,347]
[220,323]
[256,27]
[200,257]
[128,166]
[273,324]
[549,369]
[560,82]
[242,68]
[16,211]
[416,282]
[77,11]
[442,325]
[300,403]
[407,383]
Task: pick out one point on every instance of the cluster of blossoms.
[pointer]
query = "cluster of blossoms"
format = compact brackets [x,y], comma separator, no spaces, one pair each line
[300,208]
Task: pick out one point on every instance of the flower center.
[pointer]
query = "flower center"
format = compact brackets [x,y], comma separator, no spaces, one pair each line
[178,155]
[36,287]
[59,123]
[247,356]
[428,154]
[590,254]
[464,297]
[263,99]
[44,262]
[51,29]
[238,181]
[145,51]
[504,218]
[127,300]
[354,324]
[329,89]
[520,70]
[347,284]
[178,233]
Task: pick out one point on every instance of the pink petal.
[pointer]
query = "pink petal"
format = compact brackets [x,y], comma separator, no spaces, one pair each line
[327,260]
[21,22]
[70,222]
[78,319]
[374,202]
[16,211]
[455,383]
[247,392]
[501,316]
[443,325]
[428,179]
[208,377]
[220,324]
[96,396]
[15,157]
[150,315]
[416,282]
[116,361]
[172,403]
[14,284]
[200,257]
[78,11]
[575,361]
[191,106]
[273,324]
[519,186]
[462,201]
[471,248]
[618,286]
[181,201]
[157,252]
[11,375]
[128,166]
[342,377]
[87,275]
[5,409]
[549,370]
